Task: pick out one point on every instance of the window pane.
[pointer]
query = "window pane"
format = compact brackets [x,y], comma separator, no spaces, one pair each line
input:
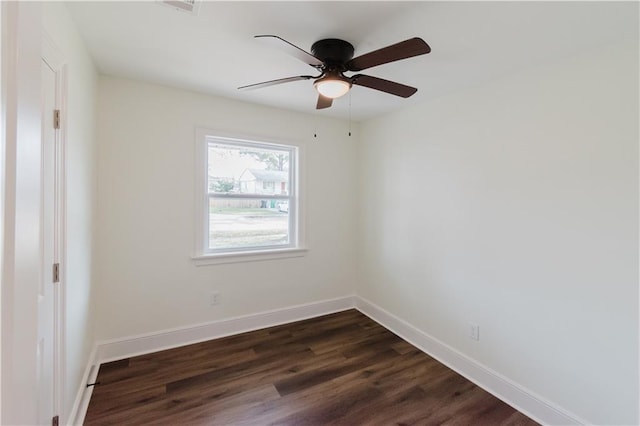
[247,170]
[248,223]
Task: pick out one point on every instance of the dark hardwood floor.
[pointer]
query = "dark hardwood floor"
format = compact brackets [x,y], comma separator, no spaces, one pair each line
[339,369]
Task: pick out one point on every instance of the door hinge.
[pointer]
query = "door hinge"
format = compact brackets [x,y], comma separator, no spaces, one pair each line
[55,421]
[56,272]
[56,118]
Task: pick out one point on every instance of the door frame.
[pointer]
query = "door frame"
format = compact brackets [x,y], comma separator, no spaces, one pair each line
[54,58]
[21,264]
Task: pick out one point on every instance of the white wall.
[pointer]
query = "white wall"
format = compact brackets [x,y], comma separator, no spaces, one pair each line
[80,198]
[147,281]
[515,206]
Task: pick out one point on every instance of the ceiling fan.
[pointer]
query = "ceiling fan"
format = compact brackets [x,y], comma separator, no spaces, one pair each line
[333,57]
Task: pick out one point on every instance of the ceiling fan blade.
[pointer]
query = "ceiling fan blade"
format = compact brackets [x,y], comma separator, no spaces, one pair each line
[383,85]
[291,49]
[323,102]
[274,82]
[403,50]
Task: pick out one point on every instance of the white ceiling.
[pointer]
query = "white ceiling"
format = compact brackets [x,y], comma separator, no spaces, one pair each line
[214,51]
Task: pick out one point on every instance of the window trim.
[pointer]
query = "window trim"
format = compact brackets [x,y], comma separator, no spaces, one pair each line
[202,255]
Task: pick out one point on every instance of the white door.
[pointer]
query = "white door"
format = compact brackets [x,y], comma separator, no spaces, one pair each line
[46,345]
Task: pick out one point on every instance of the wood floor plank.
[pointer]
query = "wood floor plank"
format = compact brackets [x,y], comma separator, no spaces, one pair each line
[213,409]
[317,376]
[339,369]
[254,379]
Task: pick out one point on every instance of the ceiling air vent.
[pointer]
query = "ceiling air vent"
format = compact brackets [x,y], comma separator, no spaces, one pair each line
[189,6]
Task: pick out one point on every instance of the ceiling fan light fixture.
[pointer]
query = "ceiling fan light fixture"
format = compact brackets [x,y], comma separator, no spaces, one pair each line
[332,86]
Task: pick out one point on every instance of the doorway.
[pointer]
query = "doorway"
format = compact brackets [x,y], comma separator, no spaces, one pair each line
[50,336]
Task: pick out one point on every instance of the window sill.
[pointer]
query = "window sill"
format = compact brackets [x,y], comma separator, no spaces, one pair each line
[248,256]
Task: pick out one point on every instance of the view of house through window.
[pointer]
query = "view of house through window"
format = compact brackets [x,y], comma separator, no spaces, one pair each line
[251,195]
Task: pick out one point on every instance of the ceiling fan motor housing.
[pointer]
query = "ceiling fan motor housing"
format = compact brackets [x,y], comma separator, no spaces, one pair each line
[333,52]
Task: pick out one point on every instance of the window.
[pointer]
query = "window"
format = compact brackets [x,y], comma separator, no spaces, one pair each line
[249,199]
[268,186]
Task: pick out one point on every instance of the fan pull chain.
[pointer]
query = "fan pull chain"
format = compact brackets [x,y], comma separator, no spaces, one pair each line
[349,113]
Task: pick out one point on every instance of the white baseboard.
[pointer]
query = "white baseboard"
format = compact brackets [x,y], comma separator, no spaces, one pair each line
[512,393]
[525,401]
[81,403]
[142,344]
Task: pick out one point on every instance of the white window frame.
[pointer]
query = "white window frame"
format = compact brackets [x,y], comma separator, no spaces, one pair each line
[203,255]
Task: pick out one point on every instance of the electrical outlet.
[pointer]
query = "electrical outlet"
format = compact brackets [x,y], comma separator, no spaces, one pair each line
[474,331]
[214,298]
